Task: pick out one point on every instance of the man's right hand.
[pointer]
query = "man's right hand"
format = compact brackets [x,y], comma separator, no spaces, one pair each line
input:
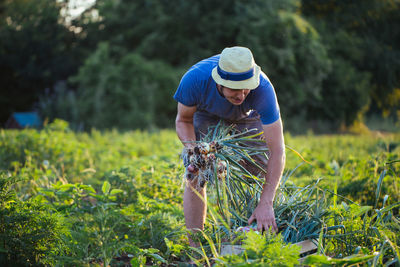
[191,168]
[191,171]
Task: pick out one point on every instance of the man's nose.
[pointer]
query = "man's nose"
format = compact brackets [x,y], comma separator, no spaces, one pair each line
[241,93]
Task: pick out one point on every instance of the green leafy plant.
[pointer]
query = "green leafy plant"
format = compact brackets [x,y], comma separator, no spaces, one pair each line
[299,211]
[263,250]
[98,228]
[30,232]
[116,196]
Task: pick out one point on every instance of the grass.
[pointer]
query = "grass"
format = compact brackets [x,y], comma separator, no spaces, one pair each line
[73,175]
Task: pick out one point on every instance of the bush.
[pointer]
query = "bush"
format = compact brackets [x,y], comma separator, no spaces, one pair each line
[263,250]
[30,233]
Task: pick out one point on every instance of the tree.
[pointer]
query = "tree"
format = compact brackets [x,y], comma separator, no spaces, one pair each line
[125,92]
[36,50]
[366,35]
[291,53]
[286,46]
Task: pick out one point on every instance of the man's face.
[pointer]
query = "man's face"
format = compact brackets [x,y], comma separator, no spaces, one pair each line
[235,96]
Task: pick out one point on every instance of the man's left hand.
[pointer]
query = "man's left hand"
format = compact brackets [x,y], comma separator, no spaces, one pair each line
[265,216]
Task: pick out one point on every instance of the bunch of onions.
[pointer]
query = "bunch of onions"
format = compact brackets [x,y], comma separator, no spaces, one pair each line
[202,163]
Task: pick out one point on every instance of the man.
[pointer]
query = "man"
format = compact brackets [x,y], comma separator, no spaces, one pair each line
[232,88]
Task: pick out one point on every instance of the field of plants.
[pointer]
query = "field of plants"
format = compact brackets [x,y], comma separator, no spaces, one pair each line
[115,199]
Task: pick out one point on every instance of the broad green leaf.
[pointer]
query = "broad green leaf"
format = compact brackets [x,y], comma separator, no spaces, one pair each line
[152,250]
[106,188]
[317,260]
[322,260]
[116,191]
[66,187]
[87,188]
[157,257]
[47,192]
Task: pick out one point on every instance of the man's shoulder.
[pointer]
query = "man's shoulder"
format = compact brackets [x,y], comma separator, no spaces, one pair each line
[264,81]
[265,86]
[197,81]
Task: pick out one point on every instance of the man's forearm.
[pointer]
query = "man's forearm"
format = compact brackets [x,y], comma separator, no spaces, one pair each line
[185,132]
[275,167]
[264,213]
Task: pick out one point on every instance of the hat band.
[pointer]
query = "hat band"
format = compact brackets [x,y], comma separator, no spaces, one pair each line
[234,76]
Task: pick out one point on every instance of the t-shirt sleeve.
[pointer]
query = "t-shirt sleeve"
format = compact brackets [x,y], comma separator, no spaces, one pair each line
[266,104]
[187,92]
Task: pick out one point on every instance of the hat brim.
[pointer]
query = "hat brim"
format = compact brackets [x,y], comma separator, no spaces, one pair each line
[251,83]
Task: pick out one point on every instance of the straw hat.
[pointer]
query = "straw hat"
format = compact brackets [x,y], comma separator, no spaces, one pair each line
[236,69]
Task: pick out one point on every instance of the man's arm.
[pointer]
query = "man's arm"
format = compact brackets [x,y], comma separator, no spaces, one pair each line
[184,124]
[264,212]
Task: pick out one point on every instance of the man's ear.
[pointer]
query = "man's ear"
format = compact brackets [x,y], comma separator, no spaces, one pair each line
[219,87]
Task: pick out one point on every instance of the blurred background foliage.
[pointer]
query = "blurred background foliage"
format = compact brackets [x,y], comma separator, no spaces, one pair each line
[117,64]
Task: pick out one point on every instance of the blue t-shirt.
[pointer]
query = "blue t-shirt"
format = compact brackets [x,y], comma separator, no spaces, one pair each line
[198,88]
